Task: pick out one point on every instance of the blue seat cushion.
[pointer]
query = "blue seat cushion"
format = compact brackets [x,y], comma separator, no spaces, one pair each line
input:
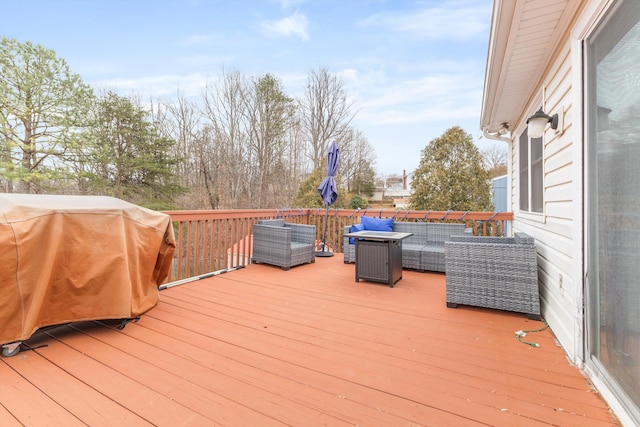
[353,229]
[377,224]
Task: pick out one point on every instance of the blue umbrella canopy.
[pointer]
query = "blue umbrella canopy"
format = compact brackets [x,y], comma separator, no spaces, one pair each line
[328,189]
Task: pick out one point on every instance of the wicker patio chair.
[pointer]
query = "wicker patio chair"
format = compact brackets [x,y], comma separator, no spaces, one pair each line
[493,272]
[283,244]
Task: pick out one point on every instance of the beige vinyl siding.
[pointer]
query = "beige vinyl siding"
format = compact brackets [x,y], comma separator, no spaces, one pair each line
[554,229]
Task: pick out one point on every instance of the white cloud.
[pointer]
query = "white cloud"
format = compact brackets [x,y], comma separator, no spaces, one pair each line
[420,115]
[459,20]
[434,97]
[364,79]
[349,74]
[294,25]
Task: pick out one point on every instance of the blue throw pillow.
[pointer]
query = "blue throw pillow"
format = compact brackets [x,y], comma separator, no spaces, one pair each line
[353,229]
[377,224]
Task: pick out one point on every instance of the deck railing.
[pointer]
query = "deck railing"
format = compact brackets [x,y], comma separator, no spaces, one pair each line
[214,240]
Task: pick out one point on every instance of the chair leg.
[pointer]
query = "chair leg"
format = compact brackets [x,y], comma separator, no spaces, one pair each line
[452,305]
[532,316]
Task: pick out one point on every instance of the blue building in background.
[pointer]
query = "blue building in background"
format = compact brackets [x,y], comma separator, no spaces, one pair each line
[499,193]
[499,190]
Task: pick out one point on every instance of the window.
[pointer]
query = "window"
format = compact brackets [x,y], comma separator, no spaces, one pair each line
[531,174]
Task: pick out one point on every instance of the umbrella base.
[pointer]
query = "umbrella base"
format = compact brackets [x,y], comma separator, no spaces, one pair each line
[324,253]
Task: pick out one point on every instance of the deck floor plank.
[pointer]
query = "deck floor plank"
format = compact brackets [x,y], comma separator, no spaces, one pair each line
[230,393]
[396,354]
[84,402]
[8,420]
[67,351]
[26,403]
[290,381]
[307,346]
[287,356]
[172,398]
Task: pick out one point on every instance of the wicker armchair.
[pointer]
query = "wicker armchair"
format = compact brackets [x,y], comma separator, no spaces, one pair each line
[283,244]
[493,272]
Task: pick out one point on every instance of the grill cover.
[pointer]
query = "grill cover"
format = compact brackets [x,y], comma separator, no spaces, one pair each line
[73,258]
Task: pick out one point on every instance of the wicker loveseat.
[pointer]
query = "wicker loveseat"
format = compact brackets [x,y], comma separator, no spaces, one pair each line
[493,272]
[424,250]
[283,244]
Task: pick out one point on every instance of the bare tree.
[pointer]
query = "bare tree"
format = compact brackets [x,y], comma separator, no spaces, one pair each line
[245,144]
[326,112]
[357,159]
[225,111]
[298,167]
[495,159]
[179,120]
[270,113]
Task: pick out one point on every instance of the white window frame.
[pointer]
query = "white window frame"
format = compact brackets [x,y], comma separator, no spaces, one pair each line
[530,168]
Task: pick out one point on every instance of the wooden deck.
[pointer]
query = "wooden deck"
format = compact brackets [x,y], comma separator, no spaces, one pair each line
[260,346]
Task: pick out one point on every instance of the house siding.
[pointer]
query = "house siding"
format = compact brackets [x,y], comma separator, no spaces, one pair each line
[554,230]
[514,92]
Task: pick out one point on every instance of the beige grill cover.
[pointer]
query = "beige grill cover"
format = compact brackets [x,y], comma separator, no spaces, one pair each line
[72,258]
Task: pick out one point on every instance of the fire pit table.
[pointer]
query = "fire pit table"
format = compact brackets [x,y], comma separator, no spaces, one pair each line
[378,255]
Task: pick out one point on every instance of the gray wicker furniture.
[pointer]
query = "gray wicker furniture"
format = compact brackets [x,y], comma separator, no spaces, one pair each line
[424,250]
[493,272]
[283,244]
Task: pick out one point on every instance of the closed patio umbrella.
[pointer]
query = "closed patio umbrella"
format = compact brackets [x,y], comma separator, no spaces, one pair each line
[329,191]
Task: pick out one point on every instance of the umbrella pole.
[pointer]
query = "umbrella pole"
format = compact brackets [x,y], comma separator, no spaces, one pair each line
[324,238]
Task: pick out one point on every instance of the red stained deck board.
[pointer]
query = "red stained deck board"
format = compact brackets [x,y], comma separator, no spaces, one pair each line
[65,350]
[303,367]
[307,346]
[399,354]
[26,403]
[233,394]
[514,401]
[258,374]
[87,404]
[366,333]
[165,397]
[8,420]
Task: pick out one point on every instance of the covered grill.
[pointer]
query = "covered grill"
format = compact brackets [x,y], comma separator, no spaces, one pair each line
[74,258]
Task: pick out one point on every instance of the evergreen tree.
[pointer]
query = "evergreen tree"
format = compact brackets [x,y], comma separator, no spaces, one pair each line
[363,183]
[127,158]
[42,107]
[308,195]
[451,175]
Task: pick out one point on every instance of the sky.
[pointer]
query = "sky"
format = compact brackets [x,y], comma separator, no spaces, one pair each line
[412,69]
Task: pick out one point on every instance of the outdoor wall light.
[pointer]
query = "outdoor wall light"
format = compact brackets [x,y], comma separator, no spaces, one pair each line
[538,122]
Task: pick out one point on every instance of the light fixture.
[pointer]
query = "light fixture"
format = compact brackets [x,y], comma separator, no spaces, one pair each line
[538,122]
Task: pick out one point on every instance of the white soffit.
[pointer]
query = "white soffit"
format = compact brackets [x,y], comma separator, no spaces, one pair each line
[524,35]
